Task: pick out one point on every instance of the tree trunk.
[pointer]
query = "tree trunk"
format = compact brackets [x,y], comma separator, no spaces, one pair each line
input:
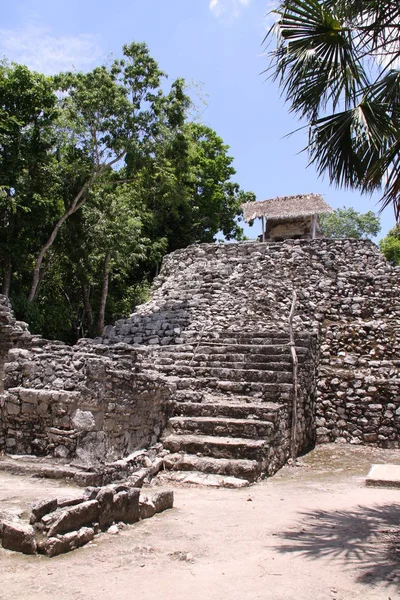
[87,307]
[104,294]
[36,272]
[7,266]
[78,202]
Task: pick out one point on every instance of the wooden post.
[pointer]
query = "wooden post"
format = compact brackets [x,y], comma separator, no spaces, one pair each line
[313,226]
[263,230]
[292,344]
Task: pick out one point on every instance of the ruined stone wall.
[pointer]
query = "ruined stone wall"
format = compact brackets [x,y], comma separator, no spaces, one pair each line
[84,402]
[347,294]
[12,334]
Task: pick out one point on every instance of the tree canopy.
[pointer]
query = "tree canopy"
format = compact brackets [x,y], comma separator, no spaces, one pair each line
[102,173]
[390,246]
[348,223]
[337,64]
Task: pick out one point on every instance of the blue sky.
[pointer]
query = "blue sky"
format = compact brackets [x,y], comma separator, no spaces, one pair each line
[216,45]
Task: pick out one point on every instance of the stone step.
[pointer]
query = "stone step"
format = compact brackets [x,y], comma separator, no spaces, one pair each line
[266,333]
[173,355]
[217,447]
[192,478]
[210,348]
[249,336]
[242,469]
[265,411]
[281,392]
[213,362]
[231,340]
[229,374]
[222,426]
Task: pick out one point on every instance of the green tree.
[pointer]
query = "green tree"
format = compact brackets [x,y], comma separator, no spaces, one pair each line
[108,114]
[189,189]
[390,246]
[28,180]
[337,63]
[348,223]
[99,178]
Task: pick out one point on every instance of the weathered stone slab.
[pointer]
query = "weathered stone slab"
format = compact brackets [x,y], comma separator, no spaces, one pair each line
[75,517]
[105,498]
[19,537]
[65,502]
[54,546]
[146,508]
[163,500]
[42,508]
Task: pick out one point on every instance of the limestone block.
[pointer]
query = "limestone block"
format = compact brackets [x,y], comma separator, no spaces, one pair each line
[65,543]
[19,537]
[12,408]
[83,420]
[126,506]
[163,500]
[105,498]
[42,508]
[132,515]
[146,507]
[75,517]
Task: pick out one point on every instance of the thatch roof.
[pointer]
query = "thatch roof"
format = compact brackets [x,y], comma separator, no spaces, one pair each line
[286,207]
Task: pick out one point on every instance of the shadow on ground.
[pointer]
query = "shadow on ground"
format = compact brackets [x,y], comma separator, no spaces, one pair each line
[366,539]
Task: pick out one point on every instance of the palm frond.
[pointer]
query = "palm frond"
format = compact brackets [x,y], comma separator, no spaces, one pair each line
[314,61]
[336,62]
[348,144]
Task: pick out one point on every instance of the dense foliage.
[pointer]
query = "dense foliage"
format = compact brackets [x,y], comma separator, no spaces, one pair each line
[348,223]
[390,246]
[337,63]
[101,174]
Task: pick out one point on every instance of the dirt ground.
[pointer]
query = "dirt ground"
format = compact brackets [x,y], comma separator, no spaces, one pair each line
[313,531]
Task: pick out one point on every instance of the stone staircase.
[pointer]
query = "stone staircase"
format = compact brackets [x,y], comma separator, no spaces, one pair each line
[232,406]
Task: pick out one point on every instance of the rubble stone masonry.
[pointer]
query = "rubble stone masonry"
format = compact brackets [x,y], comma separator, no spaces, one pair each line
[95,400]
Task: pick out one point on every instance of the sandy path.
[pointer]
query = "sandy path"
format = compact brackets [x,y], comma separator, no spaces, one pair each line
[313,532]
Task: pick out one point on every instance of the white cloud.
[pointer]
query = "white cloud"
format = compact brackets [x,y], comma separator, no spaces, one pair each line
[227,8]
[41,51]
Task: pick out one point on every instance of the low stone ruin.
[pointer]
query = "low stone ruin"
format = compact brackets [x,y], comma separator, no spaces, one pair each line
[207,366]
[60,525]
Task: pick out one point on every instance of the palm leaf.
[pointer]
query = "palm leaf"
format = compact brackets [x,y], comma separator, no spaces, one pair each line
[314,61]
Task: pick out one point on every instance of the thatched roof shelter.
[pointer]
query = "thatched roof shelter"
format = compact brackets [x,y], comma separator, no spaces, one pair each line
[288,216]
[286,207]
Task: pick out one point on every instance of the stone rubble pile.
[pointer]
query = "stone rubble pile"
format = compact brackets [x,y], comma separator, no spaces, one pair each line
[60,525]
[137,468]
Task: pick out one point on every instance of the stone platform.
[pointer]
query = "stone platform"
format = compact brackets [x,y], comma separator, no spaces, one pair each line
[383,476]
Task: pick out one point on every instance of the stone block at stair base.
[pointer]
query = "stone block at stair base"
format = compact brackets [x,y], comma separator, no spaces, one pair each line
[75,517]
[19,537]
[54,546]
